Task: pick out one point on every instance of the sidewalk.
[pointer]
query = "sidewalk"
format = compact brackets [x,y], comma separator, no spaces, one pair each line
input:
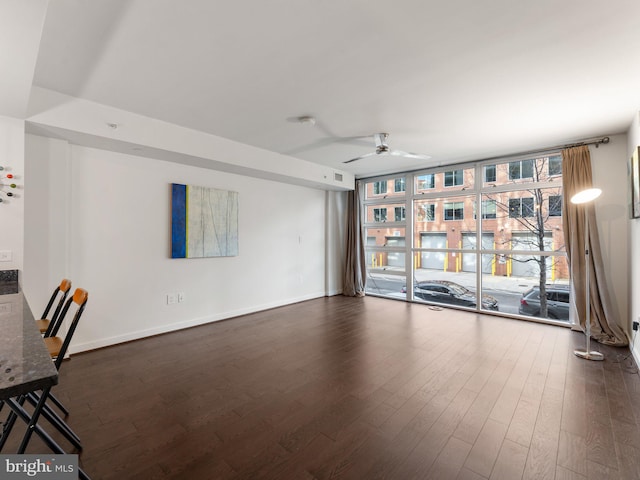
[468,279]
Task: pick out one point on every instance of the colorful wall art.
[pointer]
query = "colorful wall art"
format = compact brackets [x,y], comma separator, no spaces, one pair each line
[204,222]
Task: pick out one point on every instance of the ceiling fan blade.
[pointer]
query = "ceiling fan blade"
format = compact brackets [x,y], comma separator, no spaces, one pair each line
[360,157]
[382,150]
[325,142]
[417,156]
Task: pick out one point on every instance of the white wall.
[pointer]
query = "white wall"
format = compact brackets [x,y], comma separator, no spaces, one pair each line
[634,250]
[12,208]
[119,243]
[47,206]
[609,164]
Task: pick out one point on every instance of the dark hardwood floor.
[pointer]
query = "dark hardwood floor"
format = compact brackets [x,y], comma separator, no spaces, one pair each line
[357,389]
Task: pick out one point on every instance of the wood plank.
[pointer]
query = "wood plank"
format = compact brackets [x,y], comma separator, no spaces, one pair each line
[353,388]
[510,462]
[486,449]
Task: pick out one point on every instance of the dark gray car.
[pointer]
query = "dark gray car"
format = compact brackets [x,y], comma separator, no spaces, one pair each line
[557,302]
[444,291]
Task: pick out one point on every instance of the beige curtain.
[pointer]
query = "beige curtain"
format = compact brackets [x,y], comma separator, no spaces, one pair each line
[355,271]
[577,176]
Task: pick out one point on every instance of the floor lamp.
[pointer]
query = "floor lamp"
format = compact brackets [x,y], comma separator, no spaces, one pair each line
[584,197]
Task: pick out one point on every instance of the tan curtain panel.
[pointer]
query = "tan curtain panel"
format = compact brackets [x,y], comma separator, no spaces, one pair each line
[577,176]
[355,270]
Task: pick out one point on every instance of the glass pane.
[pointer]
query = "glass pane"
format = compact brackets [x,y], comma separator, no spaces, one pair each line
[521,171]
[444,181]
[448,289]
[443,223]
[555,205]
[426,182]
[393,187]
[489,209]
[518,294]
[489,173]
[555,165]
[425,211]
[385,237]
[392,286]
[385,213]
[389,252]
[525,219]
[458,178]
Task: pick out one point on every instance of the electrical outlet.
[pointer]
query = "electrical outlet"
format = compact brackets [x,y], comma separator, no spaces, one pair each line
[180,297]
[5,308]
[5,256]
[171,299]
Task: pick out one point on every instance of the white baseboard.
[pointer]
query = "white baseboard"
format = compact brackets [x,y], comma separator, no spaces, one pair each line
[172,327]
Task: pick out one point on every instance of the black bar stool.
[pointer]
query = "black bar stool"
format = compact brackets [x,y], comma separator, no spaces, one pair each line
[61,291]
[57,348]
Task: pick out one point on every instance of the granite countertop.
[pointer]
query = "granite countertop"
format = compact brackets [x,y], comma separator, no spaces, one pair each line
[25,364]
[8,282]
[6,288]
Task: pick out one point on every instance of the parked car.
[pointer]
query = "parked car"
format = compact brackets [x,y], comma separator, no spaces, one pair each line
[444,291]
[557,302]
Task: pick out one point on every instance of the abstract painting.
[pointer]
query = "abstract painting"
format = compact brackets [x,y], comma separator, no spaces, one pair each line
[204,222]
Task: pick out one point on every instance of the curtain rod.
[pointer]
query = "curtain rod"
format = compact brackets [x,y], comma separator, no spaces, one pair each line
[597,143]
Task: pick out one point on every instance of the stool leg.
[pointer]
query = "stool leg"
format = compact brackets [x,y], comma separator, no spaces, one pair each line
[18,410]
[62,426]
[10,422]
[33,426]
[33,422]
[58,404]
[56,421]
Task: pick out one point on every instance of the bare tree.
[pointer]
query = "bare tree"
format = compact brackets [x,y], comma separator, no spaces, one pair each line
[532,214]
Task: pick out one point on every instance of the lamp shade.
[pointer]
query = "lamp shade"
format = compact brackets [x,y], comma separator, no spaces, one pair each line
[586,196]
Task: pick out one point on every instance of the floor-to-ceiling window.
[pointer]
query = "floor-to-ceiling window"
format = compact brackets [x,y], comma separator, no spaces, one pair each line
[484,236]
[385,227]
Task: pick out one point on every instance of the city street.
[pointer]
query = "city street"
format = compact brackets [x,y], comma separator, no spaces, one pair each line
[507,290]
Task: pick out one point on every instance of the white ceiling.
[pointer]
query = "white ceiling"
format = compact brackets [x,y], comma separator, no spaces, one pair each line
[457,80]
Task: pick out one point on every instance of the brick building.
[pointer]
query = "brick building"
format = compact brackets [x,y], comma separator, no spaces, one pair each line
[520,208]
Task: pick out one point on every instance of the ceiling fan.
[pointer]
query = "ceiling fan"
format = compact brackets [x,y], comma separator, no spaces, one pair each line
[382,148]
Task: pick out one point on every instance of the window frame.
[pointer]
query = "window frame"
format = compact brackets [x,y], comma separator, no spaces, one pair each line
[521,169]
[432,185]
[377,185]
[483,213]
[454,210]
[377,214]
[557,206]
[432,216]
[428,190]
[521,207]
[453,175]
[485,169]
[557,171]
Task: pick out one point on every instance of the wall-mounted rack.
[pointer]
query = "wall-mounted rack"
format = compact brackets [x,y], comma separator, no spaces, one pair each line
[5,188]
